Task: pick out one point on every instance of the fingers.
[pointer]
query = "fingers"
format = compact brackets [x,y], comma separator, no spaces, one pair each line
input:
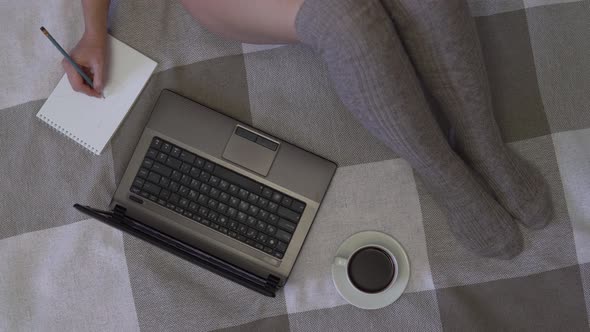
[77,82]
[98,79]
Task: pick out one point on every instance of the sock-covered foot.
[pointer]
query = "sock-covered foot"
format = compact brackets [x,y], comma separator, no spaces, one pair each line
[519,187]
[376,81]
[443,43]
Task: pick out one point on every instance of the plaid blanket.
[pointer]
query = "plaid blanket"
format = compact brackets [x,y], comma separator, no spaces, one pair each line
[61,271]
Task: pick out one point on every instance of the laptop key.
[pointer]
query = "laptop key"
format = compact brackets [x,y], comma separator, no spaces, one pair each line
[223,230]
[267,193]
[162,157]
[243,206]
[183,191]
[232,234]
[271,230]
[202,199]
[192,195]
[288,214]
[287,201]
[261,238]
[241,238]
[273,219]
[286,225]
[183,202]
[231,212]
[241,217]
[152,153]
[212,216]
[138,182]
[143,173]
[162,169]
[262,203]
[175,151]
[258,246]
[204,221]
[281,246]
[272,207]
[222,208]
[215,226]
[187,157]
[151,188]
[283,236]
[164,182]
[222,220]
[199,162]
[173,162]
[166,147]
[243,229]
[161,202]
[185,168]
[271,242]
[147,163]
[238,179]
[277,254]
[233,189]
[178,209]
[174,186]
[233,224]
[156,143]
[195,172]
[170,206]
[214,181]
[214,193]
[261,225]
[252,198]
[187,214]
[186,180]
[135,190]
[234,202]
[165,194]
[204,176]
[176,176]
[276,196]
[224,197]
[212,204]
[174,198]
[223,185]
[251,221]
[263,215]
[250,242]
[195,184]
[193,207]
[203,211]
[253,210]
[209,167]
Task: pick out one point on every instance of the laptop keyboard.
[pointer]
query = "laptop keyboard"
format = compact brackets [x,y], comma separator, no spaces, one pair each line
[217,197]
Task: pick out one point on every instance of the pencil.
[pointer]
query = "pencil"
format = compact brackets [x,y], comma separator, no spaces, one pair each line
[67,56]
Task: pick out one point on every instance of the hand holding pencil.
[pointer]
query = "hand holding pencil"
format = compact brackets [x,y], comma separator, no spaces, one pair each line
[86,63]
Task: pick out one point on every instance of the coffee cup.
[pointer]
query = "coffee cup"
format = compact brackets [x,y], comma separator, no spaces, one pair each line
[371,269]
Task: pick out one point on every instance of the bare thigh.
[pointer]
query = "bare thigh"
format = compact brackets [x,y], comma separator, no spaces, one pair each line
[250,21]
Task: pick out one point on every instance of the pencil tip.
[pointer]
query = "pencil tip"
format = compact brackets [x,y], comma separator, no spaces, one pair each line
[44,30]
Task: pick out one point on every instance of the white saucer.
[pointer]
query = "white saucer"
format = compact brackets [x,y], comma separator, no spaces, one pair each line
[365,300]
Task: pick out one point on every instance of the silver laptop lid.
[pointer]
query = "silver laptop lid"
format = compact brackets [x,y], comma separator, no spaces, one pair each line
[269,161]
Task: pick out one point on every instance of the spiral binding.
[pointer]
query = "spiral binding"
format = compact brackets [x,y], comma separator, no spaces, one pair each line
[67,133]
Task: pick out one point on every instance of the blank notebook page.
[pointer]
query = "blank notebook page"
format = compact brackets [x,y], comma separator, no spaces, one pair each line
[92,121]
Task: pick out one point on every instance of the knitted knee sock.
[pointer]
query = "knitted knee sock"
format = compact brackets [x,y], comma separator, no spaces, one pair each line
[442,41]
[374,78]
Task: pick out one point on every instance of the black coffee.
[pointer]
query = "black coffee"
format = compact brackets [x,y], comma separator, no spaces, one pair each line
[371,270]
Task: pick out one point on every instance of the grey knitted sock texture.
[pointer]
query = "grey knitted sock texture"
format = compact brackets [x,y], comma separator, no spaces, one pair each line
[376,81]
[441,39]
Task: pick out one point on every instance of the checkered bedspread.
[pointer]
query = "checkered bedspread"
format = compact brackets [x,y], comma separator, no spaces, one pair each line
[61,271]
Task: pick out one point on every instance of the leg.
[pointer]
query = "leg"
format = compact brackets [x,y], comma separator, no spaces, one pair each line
[442,41]
[252,21]
[376,81]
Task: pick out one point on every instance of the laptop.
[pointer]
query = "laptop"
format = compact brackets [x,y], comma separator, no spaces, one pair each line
[219,193]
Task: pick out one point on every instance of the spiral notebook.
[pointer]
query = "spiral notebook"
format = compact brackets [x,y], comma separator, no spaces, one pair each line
[90,121]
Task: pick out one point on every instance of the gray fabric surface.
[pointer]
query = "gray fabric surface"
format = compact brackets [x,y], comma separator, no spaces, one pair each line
[60,272]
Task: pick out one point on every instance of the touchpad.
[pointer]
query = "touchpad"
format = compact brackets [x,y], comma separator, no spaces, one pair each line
[251,150]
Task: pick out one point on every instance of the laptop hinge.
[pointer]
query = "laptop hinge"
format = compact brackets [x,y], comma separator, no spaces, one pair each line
[273,281]
[119,211]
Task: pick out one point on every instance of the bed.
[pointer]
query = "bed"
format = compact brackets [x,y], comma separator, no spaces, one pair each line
[61,271]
